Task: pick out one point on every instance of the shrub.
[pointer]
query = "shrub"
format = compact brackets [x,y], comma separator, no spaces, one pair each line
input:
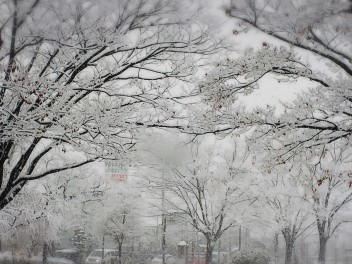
[16,261]
[250,257]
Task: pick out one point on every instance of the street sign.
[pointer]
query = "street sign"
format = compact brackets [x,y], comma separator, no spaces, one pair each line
[115,171]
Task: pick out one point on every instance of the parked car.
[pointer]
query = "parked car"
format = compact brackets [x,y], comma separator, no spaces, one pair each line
[68,253]
[169,259]
[96,256]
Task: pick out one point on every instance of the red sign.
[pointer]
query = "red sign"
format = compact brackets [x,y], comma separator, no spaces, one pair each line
[119,176]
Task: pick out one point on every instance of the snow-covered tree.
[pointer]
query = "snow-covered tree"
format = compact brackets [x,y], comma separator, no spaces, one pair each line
[118,225]
[35,218]
[327,178]
[85,188]
[285,206]
[206,189]
[298,40]
[83,78]
[80,241]
[122,223]
[320,28]
[48,207]
[319,115]
[313,187]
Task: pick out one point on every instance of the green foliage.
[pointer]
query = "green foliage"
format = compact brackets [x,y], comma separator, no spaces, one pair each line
[250,257]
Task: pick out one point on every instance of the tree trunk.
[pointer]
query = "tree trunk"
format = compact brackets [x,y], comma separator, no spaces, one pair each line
[52,248]
[290,242]
[288,253]
[209,252]
[45,253]
[120,252]
[322,249]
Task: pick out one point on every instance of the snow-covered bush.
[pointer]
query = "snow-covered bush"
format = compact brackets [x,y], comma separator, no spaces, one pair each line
[8,258]
[17,261]
[251,257]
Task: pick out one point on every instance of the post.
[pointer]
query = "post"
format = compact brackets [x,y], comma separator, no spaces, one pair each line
[103,248]
[276,248]
[163,215]
[240,238]
[157,234]
[219,247]
[163,238]
[246,241]
[197,245]
[45,246]
[336,245]
[230,246]
[193,252]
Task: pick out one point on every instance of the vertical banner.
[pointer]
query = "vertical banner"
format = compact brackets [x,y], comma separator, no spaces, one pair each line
[115,171]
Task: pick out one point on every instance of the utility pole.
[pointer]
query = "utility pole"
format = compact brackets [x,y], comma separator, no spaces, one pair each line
[157,234]
[230,245]
[276,248]
[219,248]
[240,238]
[163,220]
[197,248]
[335,247]
[45,246]
[246,241]
[103,248]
